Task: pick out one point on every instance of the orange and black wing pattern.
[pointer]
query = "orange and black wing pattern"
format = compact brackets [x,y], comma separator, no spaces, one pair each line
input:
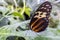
[40,19]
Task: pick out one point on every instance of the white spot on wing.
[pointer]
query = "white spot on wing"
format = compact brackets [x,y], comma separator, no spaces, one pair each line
[38,12]
[42,7]
[47,5]
[47,9]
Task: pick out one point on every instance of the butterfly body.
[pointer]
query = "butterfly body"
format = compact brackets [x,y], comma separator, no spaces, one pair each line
[40,19]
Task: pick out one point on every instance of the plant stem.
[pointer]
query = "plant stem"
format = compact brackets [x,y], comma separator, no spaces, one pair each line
[23,7]
[15,3]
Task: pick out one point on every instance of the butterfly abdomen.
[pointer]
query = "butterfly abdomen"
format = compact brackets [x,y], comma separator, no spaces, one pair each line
[40,19]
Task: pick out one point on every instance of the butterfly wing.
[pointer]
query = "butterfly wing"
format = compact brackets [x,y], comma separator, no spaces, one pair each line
[40,19]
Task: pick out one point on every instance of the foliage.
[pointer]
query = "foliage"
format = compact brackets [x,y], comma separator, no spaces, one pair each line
[17,28]
[42,38]
[53,23]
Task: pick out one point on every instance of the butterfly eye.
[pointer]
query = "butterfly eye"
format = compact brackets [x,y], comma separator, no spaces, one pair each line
[40,21]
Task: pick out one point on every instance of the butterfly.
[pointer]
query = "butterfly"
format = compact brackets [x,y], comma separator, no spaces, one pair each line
[40,19]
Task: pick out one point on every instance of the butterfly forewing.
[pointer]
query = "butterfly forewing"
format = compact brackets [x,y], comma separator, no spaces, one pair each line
[40,19]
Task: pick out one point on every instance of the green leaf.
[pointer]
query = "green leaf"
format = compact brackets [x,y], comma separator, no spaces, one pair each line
[21,16]
[18,14]
[27,11]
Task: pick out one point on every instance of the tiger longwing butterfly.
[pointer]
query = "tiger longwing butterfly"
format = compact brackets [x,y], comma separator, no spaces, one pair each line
[40,19]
